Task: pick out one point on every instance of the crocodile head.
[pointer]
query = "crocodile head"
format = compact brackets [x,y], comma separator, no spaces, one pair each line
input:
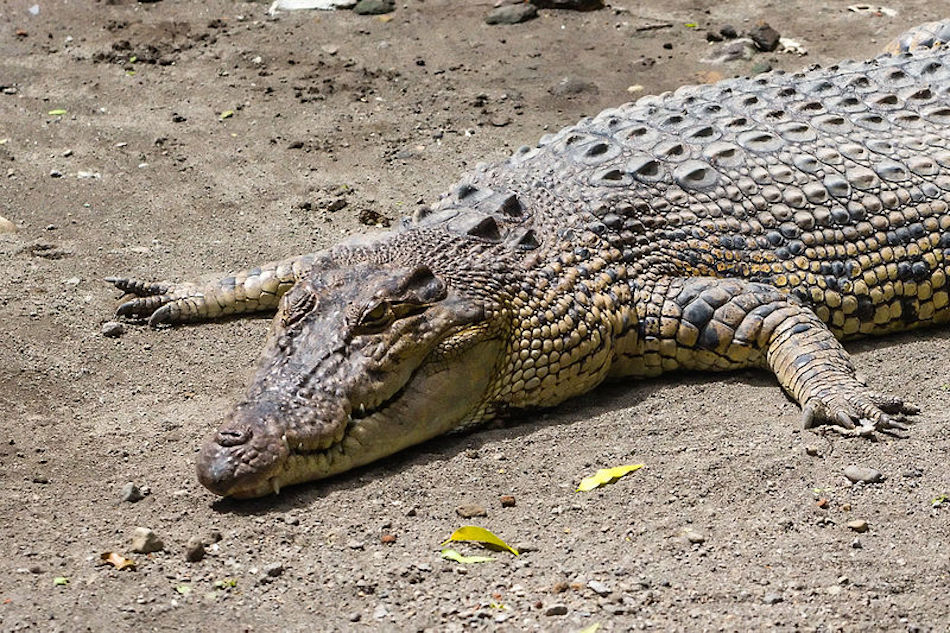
[362,361]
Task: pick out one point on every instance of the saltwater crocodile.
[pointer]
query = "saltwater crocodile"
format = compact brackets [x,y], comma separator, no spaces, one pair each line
[750,223]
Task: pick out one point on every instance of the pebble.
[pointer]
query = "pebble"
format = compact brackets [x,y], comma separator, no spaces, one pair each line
[856,544]
[355,617]
[760,67]
[469,510]
[355,544]
[811,450]
[569,5]
[572,86]
[765,37]
[145,541]
[380,612]
[55,173]
[387,539]
[274,570]
[6,226]
[194,549]
[694,537]
[858,525]
[114,329]
[556,609]
[600,588]
[507,501]
[512,14]
[863,474]
[772,598]
[728,31]
[374,7]
[130,492]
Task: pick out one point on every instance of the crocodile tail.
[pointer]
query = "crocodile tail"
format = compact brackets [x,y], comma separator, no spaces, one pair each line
[929,35]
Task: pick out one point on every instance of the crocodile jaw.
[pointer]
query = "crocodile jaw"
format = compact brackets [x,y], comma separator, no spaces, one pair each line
[440,396]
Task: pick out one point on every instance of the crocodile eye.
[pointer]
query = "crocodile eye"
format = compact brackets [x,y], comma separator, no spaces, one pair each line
[377,318]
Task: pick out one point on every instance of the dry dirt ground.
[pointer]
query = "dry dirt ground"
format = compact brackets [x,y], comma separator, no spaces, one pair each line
[382,114]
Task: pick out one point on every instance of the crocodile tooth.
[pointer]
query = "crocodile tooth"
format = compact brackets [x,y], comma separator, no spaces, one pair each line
[275,485]
[362,409]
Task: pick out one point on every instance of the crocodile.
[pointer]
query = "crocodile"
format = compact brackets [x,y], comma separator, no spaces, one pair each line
[754,222]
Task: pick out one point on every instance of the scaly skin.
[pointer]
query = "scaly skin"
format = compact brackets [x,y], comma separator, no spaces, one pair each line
[750,223]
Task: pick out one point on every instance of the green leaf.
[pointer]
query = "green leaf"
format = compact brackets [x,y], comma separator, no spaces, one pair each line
[227,583]
[227,114]
[451,554]
[183,589]
[57,112]
[691,25]
[61,581]
[939,501]
[479,535]
[606,476]
[133,59]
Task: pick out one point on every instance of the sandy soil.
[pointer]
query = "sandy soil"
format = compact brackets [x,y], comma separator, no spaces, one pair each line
[383,114]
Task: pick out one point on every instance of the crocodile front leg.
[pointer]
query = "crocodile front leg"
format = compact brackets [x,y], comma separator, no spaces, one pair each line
[720,324]
[254,290]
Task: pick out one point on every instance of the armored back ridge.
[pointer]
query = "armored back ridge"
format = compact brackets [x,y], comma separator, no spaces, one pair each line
[750,223]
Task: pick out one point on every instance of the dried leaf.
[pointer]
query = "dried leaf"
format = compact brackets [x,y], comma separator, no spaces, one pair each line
[479,535]
[606,476]
[451,554]
[593,628]
[117,560]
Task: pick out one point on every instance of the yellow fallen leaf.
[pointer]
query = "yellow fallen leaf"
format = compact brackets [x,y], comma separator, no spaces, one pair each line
[451,554]
[479,535]
[606,476]
[117,560]
[57,112]
[590,629]
[61,581]
[227,114]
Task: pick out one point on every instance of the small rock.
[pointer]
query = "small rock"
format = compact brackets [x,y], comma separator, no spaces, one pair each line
[857,544]
[295,145]
[40,479]
[6,226]
[811,450]
[355,544]
[145,541]
[760,67]
[863,474]
[601,589]
[113,329]
[374,7]
[772,598]
[355,617]
[380,612]
[55,173]
[330,49]
[274,570]
[67,153]
[694,537]
[512,14]
[336,205]
[728,31]
[858,525]
[560,587]
[130,492]
[469,510]
[731,51]
[194,549]
[843,580]
[712,36]
[387,539]
[88,175]
[36,569]
[507,501]
[371,217]
[556,609]
[570,5]
[569,86]
[765,37]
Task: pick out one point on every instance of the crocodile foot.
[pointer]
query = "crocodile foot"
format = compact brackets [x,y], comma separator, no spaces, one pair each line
[150,301]
[853,410]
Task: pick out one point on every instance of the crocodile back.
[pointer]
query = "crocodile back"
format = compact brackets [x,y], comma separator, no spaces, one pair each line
[832,184]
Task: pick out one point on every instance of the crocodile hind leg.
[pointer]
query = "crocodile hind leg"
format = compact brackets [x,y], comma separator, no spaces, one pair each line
[720,324]
[253,290]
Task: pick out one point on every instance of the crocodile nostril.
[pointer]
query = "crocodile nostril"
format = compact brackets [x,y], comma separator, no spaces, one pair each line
[233,437]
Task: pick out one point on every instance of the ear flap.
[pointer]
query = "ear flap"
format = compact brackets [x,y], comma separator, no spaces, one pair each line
[420,285]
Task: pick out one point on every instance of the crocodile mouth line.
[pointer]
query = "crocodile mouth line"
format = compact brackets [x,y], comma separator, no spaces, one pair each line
[354,418]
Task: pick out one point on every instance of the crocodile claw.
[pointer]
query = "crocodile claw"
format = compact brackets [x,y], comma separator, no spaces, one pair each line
[855,411]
